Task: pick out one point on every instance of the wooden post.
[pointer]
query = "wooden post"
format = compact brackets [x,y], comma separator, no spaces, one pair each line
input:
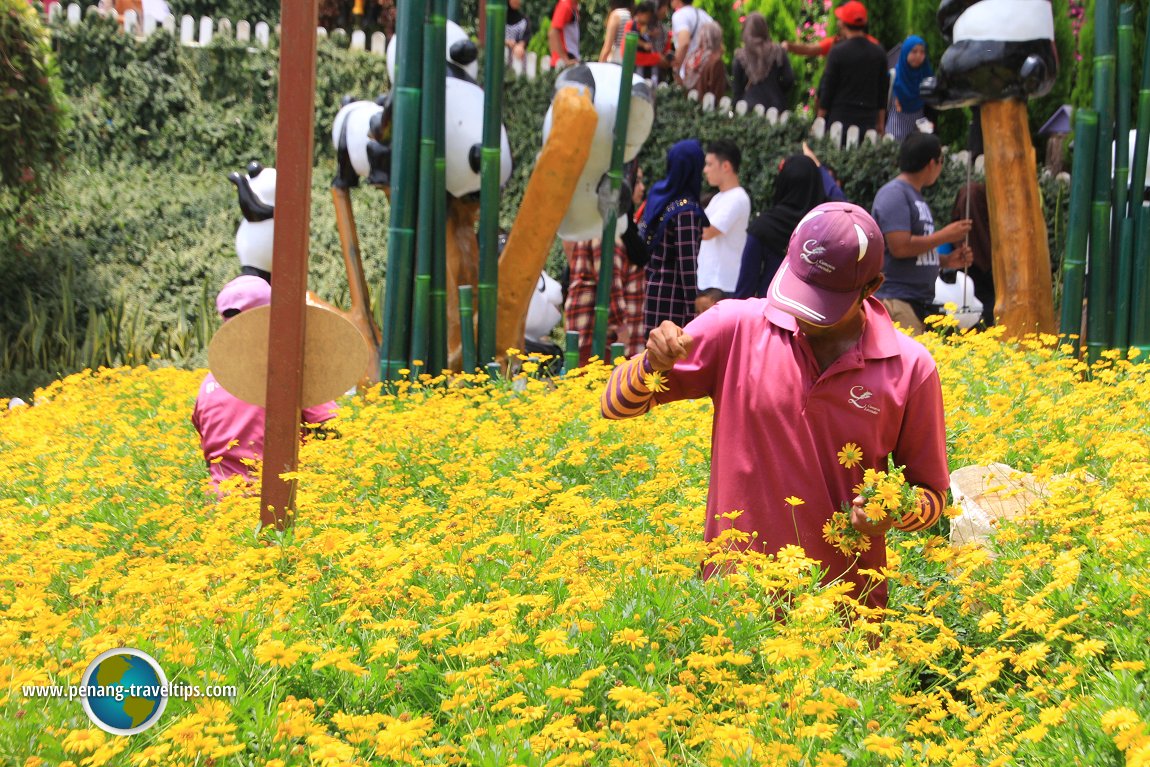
[1020,253]
[289,278]
[547,196]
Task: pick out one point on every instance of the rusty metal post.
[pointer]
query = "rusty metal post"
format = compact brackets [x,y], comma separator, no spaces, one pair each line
[289,278]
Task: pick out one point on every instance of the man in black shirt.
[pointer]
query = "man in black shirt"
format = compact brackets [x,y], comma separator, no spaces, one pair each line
[855,83]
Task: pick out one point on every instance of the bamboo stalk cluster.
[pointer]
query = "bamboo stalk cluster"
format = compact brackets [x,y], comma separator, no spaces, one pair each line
[415,300]
[1108,236]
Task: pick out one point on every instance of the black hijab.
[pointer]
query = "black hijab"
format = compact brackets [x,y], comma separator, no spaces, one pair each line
[798,188]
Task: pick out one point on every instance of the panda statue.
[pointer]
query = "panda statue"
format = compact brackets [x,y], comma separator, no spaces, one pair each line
[999,49]
[255,235]
[361,133]
[584,219]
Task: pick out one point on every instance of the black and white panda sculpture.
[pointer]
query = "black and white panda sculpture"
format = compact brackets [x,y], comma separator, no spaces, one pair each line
[999,49]
[255,236]
[361,133]
[584,217]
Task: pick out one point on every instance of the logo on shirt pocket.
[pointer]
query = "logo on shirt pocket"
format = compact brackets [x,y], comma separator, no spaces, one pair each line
[860,396]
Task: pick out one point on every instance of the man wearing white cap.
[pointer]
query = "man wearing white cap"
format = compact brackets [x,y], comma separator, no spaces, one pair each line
[231,430]
[794,378]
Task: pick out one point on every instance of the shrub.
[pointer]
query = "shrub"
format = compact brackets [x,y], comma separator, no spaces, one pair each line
[31,115]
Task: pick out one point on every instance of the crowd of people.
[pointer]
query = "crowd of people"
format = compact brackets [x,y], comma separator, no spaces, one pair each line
[684,250]
[862,85]
[692,250]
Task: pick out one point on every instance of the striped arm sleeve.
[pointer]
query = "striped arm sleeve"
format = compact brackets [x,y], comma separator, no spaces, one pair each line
[931,504]
[627,395]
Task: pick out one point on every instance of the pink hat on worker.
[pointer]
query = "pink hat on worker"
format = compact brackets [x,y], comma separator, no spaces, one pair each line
[833,253]
[852,13]
[244,292]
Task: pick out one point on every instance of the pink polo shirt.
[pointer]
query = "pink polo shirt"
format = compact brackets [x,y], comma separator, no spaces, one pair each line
[233,430]
[779,425]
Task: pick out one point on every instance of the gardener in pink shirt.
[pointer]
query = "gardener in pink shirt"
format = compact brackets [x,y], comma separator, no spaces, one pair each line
[794,378]
[231,430]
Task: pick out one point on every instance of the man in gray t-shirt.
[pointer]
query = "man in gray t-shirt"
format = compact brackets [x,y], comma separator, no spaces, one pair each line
[911,263]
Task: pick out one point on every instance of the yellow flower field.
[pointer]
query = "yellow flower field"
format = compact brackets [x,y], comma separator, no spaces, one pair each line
[493,575]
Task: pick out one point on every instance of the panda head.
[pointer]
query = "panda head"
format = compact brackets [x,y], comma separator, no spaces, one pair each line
[461,53]
[463,115]
[256,192]
[600,81]
[999,49]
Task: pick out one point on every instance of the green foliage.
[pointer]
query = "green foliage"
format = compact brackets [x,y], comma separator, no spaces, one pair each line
[1041,109]
[31,115]
[780,18]
[888,21]
[538,42]
[138,249]
[161,102]
[592,23]
[252,10]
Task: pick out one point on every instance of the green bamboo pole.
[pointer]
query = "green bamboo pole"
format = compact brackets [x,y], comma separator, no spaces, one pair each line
[1078,228]
[467,327]
[1140,301]
[404,182]
[1140,336]
[615,177]
[571,353]
[1122,283]
[1097,335]
[1100,310]
[1121,234]
[493,65]
[453,10]
[438,92]
[425,236]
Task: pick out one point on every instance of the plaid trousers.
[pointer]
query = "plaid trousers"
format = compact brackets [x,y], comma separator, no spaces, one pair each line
[625,315]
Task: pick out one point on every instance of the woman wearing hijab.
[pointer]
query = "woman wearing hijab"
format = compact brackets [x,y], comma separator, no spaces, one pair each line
[762,70]
[672,227]
[705,71]
[907,106]
[798,188]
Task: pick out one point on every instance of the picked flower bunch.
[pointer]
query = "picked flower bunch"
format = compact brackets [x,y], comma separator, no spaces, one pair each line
[886,494]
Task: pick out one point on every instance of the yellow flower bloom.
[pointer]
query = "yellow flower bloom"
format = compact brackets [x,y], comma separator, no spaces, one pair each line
[633,638]
[883,745]
[655,381]
[850,456]
[275,653]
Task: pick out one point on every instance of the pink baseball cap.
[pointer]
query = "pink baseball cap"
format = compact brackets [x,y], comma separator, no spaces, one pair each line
[244,292]
[835,250]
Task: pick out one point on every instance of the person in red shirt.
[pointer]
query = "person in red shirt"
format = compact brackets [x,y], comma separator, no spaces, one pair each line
[852,12]
[811,386]
[563,37]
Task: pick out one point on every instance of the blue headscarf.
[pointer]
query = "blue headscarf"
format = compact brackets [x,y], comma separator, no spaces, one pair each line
[907,79]
[684,179]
